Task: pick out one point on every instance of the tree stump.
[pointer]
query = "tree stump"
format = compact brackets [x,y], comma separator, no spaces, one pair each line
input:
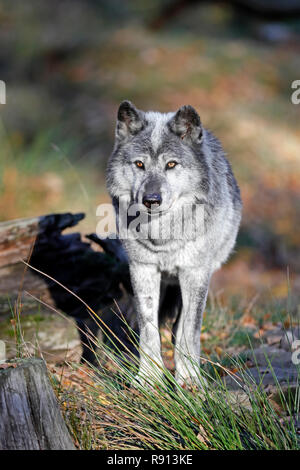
[30,417]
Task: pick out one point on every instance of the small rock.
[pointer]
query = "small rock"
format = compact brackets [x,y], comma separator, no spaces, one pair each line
[267,365]
[282,338]
[262,376]
[57,340]
[273,336]
[266,355]
[238,398]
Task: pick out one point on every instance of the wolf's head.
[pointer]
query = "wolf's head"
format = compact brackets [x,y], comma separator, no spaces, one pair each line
[158,159]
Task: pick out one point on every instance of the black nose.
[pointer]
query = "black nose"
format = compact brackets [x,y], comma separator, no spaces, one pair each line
[153,199]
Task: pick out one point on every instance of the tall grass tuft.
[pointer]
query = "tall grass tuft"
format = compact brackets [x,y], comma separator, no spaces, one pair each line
[159,414]
[120,413]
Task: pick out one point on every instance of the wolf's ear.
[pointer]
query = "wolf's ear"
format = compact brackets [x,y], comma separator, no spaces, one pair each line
[186,124]
[130,120]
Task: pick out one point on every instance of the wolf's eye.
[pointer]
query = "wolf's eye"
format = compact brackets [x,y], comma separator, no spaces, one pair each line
[171,165]
[139,164]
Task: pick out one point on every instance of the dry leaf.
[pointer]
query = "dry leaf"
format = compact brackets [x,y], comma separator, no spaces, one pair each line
[248,320]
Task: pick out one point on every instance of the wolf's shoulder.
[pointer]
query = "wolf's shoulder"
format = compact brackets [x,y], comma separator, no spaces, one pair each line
[221,166]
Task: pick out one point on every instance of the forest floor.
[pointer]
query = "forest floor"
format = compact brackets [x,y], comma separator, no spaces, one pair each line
[249,358]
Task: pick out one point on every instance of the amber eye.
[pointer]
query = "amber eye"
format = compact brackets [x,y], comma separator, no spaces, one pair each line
[139,164]
[171,165]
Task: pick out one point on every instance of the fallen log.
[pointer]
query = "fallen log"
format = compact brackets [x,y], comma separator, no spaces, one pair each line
[30,415]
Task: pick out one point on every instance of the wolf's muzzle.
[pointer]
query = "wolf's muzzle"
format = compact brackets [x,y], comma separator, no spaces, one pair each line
[152,200]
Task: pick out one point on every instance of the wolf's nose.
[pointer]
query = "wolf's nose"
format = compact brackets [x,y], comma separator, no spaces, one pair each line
[152,200]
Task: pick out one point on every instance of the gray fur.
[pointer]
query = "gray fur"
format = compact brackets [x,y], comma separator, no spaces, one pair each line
[202,175]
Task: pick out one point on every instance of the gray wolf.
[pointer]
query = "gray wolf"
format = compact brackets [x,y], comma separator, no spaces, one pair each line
[163,163]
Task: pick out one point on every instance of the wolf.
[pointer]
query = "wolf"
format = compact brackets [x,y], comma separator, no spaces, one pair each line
[163,163]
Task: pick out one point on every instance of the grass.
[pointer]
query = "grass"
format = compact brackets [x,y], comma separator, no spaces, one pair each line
[109,413]
[165,416]
[103,410]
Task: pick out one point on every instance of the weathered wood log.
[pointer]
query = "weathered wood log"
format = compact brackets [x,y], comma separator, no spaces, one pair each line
[30,417]
[17,238]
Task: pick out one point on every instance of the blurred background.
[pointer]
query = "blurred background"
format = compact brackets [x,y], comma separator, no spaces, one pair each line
[67,65]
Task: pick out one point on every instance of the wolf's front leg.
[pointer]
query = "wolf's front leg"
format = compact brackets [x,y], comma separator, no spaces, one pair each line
[145,280]
[194,287]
